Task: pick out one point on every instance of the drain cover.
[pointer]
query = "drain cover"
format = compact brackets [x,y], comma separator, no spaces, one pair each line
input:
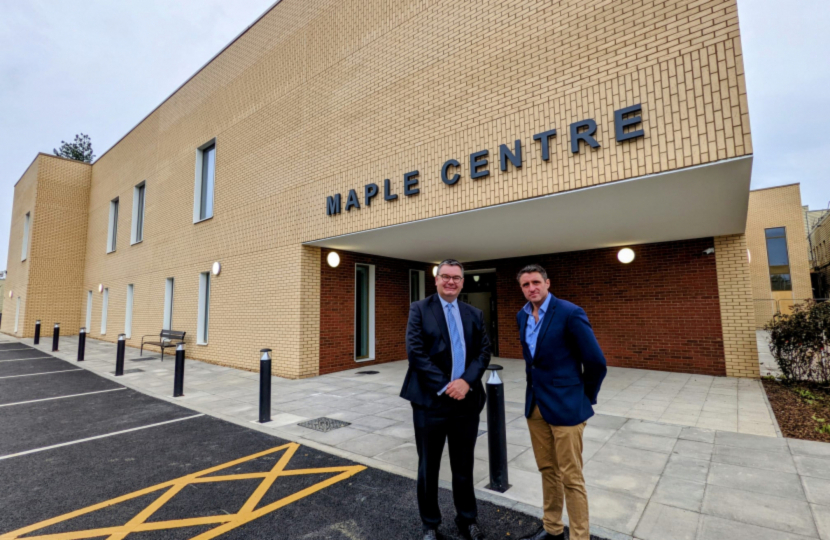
[367,372]
[134,370]
[324,424]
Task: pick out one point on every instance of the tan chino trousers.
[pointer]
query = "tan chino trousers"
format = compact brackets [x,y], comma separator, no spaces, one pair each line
[558,452]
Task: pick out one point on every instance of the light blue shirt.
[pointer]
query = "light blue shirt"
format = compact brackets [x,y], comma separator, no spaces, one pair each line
[458,364]
[532,328]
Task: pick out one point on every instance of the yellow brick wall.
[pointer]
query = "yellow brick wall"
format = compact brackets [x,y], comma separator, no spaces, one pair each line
[737,315]
[820,241]
[323,96]
[769,208]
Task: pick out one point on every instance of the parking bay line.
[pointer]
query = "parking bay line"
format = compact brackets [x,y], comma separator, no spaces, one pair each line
[23,349]
[33,358]
[62,397]
[98,437]
[44,373]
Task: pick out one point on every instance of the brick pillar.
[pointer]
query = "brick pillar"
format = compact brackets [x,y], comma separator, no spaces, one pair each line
[736,309]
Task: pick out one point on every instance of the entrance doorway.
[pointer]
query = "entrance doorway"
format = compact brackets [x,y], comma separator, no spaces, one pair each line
[480,291]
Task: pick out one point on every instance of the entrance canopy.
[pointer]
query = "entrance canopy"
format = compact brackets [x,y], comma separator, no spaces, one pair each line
[696,202]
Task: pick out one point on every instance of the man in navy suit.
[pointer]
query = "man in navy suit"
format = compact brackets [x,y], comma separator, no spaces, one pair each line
[565,368]
[448,350]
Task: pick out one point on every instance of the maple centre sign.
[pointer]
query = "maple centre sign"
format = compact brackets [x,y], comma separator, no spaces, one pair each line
[625,124]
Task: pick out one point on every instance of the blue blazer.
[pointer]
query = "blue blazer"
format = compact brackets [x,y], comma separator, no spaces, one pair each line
[429,349]
[564,376]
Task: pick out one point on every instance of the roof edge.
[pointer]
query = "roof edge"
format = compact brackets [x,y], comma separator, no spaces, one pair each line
[44,154]
[776,187]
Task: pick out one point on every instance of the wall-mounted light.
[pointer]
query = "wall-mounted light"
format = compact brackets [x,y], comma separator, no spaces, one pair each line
[100,287]
[748,256]
[216,268]
[625,255]
[333,259]
[476,278]
[11,294]
[434,271]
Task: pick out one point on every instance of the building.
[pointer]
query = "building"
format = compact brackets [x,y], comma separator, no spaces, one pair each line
[820,256]
[778,249]
[395,134]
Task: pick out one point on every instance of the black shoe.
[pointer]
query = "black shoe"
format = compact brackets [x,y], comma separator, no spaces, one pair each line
[542,534]
[471,531]
[430,534]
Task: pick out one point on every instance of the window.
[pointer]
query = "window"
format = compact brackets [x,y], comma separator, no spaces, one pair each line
[17,315]
[168,304]
[24,251]
[779,259]
[204,308]
[104,311]
[88,311]
[137,232]
[128,317]
[205,173]
[112,230]
[364,301]
[416,285]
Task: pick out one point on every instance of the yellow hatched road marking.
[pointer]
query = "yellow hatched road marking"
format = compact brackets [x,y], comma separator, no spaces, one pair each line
[247,513]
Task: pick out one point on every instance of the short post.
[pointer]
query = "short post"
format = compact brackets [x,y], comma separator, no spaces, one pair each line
[265,386]
[37,332]
[178,375]
[56,335]
[496,432]
[119,355]
[81,344]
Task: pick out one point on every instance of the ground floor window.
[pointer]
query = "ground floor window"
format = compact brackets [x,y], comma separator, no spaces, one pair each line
[88,311]
[17,315]
[128,317]
[204,308]
[104,311]
[364,317]
[168,304]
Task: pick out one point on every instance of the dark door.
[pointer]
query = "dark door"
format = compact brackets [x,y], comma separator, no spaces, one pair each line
[480,291]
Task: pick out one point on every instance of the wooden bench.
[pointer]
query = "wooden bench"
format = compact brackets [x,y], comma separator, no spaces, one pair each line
[167,338]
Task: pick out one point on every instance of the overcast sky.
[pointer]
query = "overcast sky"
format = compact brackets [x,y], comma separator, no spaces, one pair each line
[99,67]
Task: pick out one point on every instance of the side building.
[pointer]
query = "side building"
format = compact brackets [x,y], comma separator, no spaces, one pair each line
[297,192]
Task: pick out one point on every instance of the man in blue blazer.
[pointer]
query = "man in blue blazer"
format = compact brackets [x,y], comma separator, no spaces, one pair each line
[448,350]
[565,368]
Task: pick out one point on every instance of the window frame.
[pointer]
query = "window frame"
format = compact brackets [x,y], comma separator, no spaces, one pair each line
[203,319]
[128,316]
[773,276]
[24,250]
[371,314]
[169,292]
[112,226]
[104,309]
[199,183]
[139,206]
[421,284]
[88,311]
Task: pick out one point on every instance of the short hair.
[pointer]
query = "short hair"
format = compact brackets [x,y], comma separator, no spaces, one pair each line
[530,269]
[449,262]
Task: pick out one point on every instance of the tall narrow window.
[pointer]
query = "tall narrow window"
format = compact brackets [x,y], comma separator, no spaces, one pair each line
[137,233]
[168,304]
[364,317]
[112,230]
[24,251]
[17,315]
[204,308]
[104,311]
[128,317]
[416,285]
[779,259]
[205,174]
[88,311]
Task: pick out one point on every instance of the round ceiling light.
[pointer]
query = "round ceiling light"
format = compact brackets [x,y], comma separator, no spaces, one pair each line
[625,255]
[333,259]
[216,268]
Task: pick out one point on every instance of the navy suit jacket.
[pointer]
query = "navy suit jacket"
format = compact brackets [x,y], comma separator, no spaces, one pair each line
[564,376]
[429,350]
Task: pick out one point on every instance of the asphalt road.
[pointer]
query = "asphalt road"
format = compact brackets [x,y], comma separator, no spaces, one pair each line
[114,462]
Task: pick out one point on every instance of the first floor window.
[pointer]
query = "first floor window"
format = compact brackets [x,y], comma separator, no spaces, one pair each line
[137,233]
[364,301]
[112,230]
[779,259]
[25,249]
[205,179]
[204,308]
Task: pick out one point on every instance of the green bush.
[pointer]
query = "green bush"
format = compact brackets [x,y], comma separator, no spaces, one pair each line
[800,342]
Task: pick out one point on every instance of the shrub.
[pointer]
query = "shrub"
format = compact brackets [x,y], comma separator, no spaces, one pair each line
[800,342]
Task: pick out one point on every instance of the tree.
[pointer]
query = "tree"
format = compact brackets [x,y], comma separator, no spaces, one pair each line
[80,150]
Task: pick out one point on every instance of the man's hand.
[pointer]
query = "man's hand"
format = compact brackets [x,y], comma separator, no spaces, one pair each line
[458,389]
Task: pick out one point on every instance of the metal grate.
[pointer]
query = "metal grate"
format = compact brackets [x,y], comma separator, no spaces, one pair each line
[324,424]
[367,372]
[134,370]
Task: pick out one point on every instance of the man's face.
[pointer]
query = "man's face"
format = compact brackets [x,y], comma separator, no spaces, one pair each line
[449,282]
[534,287]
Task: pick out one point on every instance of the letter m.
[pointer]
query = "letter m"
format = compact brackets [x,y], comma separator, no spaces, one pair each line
[333,205]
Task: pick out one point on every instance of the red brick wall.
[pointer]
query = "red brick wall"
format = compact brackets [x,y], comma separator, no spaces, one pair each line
[659,312]
[391,309]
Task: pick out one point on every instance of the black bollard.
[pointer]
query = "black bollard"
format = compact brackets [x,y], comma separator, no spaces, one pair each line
[37,332]
[178,374]
[56,335]
[119,355]
[265,386]
[496,432]
[81,344]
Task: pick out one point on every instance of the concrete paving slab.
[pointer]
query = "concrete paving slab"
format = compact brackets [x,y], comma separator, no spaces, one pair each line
[817,490]
[758,459]
[811,466]
[809,448]
[778,513]
[769,482]
[686,468]
[822,517]
[674,491]
[660,522]
[622,479]
[614,510]
[693,449]
[370,444]
[652,428]
[715,528]
[632,458]
[643,441]
[754,442]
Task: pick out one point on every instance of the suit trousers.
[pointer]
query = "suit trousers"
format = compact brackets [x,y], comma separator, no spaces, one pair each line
[460,430]
[558,452]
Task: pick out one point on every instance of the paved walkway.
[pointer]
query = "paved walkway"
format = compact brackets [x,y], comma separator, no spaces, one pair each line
[669,456]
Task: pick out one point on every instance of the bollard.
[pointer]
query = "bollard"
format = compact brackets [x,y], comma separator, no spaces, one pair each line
[265,386]
[56,335]
[178,374]
[119,355]
[81,344]
[496,432]
[37,332]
